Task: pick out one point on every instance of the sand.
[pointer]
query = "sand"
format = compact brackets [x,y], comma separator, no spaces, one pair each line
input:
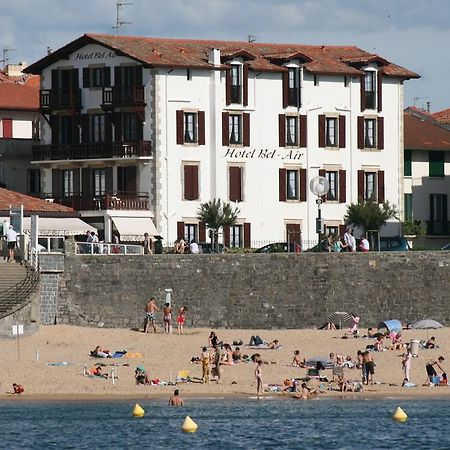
[164,355]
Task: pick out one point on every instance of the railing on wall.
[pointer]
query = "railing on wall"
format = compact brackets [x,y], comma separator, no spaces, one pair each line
[90,248]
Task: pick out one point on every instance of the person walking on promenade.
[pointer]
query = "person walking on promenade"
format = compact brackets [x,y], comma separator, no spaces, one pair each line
[11,237]
[259,381]
[150,308]
[147,244]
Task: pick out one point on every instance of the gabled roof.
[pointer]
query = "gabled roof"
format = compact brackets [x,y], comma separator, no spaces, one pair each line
[32,204]
[422,134]
[442,116]
[186,53]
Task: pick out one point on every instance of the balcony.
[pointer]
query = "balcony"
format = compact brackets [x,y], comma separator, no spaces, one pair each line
[438,228]
[123,96]
[58,152]
[51,99]
[120,201]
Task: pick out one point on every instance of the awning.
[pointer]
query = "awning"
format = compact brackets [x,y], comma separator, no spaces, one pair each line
[133,228]
[58,226]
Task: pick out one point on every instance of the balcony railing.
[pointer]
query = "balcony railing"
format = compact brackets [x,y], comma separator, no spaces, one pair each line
[54,152]
[117,201]
[123,96]
[60,99]
[438,228]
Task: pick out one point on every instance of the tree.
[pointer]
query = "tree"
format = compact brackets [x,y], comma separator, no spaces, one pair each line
[217,214]
[369,215]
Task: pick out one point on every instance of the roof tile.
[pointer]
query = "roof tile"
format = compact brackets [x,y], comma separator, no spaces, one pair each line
[422,134]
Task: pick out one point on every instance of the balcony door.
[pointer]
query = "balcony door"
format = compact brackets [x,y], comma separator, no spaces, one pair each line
[127,179]
[438,214]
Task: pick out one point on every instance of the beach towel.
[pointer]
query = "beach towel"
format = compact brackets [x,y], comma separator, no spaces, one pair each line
[58,364]
[134,355]
[263,347]
[119,354]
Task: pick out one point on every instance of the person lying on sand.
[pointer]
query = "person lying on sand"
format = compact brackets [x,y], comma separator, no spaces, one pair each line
[18,389]
[98,352]
[256,357]
[97,372]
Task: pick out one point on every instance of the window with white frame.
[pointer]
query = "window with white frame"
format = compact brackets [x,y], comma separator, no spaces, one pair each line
[236,236]
[236,83]
[370,186]
[190,127]
[235,128]
[293,86]
[99,176]
[369,88]
[190,232]
[291,130]
[332,177]
[98,128]
[331,136]
[370,140]
[292,185]
[67,183]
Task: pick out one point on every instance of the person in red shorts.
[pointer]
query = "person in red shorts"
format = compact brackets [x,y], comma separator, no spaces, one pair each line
[18,389]
[181,319]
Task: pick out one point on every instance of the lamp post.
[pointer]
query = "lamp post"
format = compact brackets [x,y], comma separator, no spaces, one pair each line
[319,186]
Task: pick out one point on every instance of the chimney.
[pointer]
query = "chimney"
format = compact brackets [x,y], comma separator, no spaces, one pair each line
[15,70]
[214,57]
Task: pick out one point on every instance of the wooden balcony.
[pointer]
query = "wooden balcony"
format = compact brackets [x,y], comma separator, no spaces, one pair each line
[53,99]
[123,96]
[118,201]
[58,152]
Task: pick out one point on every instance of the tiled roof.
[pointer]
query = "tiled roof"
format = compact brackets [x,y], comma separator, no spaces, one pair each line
[424,135]
[442,116]
[30,204]
[19,93]
[185,53]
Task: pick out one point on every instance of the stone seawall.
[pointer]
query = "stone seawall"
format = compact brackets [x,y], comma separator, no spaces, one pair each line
[257,290]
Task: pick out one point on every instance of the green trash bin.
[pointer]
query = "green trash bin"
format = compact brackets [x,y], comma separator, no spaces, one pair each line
[158,245]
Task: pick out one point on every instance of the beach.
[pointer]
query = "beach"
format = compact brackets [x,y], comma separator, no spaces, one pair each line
[52,362]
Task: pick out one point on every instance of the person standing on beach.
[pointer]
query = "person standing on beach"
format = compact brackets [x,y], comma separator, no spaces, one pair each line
[406,365]
[369,365]
[150,309]
[205,365]
[217,359]
[431,371]
[181,319]
[167,317]
[259,381]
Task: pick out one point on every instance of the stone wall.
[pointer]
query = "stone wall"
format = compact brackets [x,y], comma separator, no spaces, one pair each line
[51,266]
[257,290]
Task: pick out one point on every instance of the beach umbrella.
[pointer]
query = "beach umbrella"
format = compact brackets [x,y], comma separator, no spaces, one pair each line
[339,317]
[427,324]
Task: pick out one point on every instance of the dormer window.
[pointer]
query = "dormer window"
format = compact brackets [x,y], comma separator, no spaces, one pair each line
[236,83]
[293,87]
[369,89]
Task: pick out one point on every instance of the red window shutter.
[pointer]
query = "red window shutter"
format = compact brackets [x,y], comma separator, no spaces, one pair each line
[282,130]
[321,130]
[7,128]
[201,127]
[342,230]
[363,93]
[246,130]
[180,127]
[245,84]
[379,90]
[342,186]
[190,182]
[226,236]
[247,235]
[85,128]
[360,185]
[180,230]
[235,179]
[303,189]
[282,185]
[341,131]
[303,131]
[225,129]
[202,231]
[380,133]
[194,182]
[322,173]
[285,78]
[380,186]
[360,132]
[86,77]
[228,86]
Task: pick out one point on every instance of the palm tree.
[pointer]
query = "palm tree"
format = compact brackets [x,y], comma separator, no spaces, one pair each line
[217,214]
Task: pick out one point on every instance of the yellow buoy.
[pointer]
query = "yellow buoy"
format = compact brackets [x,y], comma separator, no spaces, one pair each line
[189,426]
[400,415]
[138,411]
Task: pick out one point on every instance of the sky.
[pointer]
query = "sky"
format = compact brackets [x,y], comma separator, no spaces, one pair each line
[411,33]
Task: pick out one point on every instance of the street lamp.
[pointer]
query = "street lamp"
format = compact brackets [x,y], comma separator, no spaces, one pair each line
[319,186]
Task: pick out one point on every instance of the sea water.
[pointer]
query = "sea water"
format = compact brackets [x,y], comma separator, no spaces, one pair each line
[225,424]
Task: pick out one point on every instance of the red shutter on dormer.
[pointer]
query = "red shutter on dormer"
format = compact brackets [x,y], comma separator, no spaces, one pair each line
[282,185]
[226,236]
[225,129]
[322,173]
[303,131]
[341,131]
[245,84]
[247,235]
[380,133]
[360,185]
[379,90]
[180,127]
[235,188]
[321,130]
[363,92]
[202,231]
[180,230]
[342,186]
[246,130]
[285,78]
[380,186]
[303,189]
[228,86]
[360,132]
[282,130]
[201,127]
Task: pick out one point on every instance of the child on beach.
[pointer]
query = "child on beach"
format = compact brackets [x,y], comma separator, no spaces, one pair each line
[18,389]
[181,319]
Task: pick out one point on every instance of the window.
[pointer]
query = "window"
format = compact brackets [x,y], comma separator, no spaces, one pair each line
[370,186]
[98,128]
[369,89]
[438,214]
[291,130]
[130,129]
[97,77]
[369,133]
[331,132]
[190,182]
[67,176]
[236,236]
[236,83]
[407,163]
[332,178]
[7,125]
[292,190]
[190,127]
[408,207]
[333,230]
[293,86]
[436,164]
[235,129]
[235,186]
[190,232]
[34,181]
[99,181]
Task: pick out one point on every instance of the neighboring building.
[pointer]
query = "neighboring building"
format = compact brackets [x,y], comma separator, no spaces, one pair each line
[426,172]
[140,128]
[443,118]
[19,129]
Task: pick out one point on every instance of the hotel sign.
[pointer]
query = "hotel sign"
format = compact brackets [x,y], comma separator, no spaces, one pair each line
[290,155]
[95,55]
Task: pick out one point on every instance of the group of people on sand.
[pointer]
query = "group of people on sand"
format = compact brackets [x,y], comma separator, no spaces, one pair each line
[151,309]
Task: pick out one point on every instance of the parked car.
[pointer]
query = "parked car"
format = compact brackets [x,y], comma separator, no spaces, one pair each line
[387,244]
[446,247]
